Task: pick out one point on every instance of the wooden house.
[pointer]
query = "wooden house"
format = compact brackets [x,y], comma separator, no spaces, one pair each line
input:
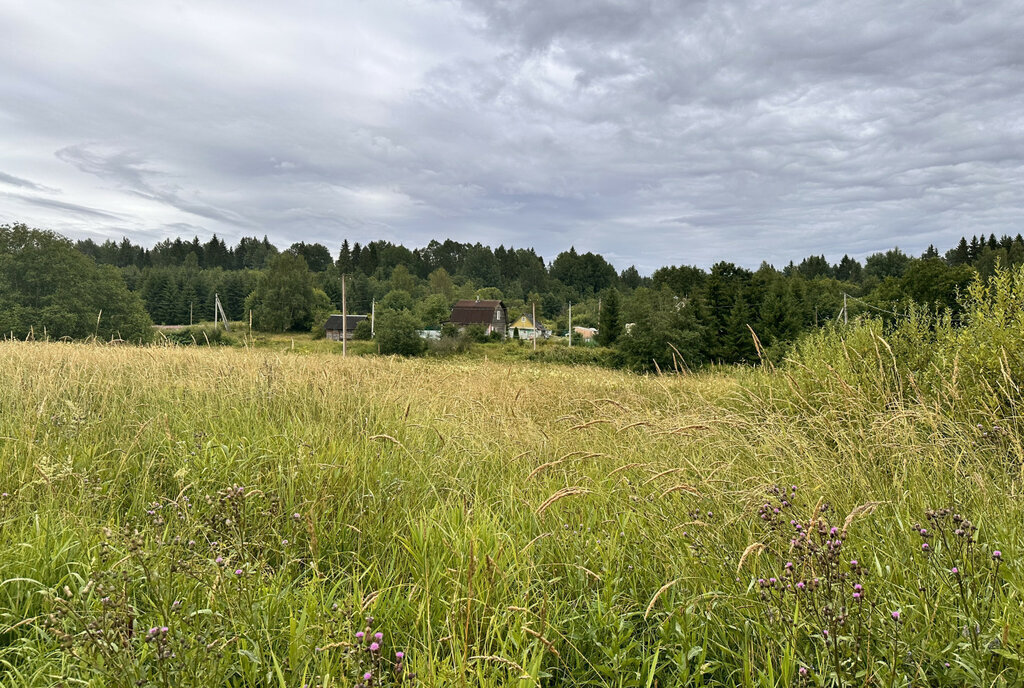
[527,330]
[333,326]
[490,314]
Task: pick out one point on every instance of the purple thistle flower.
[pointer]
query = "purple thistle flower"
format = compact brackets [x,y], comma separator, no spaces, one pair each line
[399,655]
[803,671]
[925,547]
[857,596]
[378,636]
[367,676]
[800,585]
[374,647]
[219,561]
[997,555]
[359,635]
[854,563]
[239,572]
[954,570]
[896,616]
[858,587]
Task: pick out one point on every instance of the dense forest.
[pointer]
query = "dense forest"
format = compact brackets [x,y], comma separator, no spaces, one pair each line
[704,315]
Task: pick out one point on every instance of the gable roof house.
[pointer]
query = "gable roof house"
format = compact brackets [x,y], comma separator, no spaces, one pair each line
[491,314]
[527,330]
[587,334]
[334,324]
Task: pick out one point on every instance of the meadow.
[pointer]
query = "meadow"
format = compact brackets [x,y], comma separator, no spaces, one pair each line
[175,516]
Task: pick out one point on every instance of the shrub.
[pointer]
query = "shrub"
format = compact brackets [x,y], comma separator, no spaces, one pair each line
[577,355]
[476,333]
[363,331]
[922,353]
[398,333]
[198,335]
[448,346]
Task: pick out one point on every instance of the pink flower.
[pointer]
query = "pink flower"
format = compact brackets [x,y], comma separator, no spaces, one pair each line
[374,647]
[399,655]
[378,636]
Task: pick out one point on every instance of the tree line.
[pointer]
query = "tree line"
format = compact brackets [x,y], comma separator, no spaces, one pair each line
[678,314]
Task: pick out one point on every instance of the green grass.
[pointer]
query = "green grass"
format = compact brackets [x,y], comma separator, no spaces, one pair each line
[505,522]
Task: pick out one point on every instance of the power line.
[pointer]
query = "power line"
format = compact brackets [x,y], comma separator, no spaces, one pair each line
[876,308]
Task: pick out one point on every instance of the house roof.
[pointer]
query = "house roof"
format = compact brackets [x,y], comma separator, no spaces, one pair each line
[335,321]
[467,312]
[529,318]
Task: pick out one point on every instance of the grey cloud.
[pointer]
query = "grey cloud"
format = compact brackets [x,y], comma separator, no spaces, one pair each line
[654,131]
[23,183]
[72,208]
[130,171]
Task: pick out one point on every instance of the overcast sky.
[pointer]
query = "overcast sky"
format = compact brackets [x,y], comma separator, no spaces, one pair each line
[654,132]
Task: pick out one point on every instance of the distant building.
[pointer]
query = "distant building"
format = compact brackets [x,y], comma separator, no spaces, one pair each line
[586,333]
[490,314]
[334,324]
[527,330]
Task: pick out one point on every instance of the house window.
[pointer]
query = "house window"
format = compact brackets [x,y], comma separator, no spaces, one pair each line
[497,314]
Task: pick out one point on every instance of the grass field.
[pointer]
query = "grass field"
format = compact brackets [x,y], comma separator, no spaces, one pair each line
[229,516]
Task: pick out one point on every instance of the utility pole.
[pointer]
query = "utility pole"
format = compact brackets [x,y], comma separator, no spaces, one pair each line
[534,326]
[846,315]
[570,324]
[373,317]
[344,320]
[190,314]
[223,316]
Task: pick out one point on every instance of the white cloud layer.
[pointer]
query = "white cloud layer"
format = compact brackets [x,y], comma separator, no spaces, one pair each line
[652,131]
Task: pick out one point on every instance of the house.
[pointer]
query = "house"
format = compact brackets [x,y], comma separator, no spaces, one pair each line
[490,314]
[527,330]
[333,326]
[587,334]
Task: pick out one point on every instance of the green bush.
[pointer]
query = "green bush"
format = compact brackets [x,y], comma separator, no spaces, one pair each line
[448,346]
[398,333]
[476,333]
[198,335]
[923,354]
[363,332]
[576,355]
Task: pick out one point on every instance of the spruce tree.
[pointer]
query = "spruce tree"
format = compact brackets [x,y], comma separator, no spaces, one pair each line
[609,326]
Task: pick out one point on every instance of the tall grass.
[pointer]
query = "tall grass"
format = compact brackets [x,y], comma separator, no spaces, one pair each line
[514,523]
